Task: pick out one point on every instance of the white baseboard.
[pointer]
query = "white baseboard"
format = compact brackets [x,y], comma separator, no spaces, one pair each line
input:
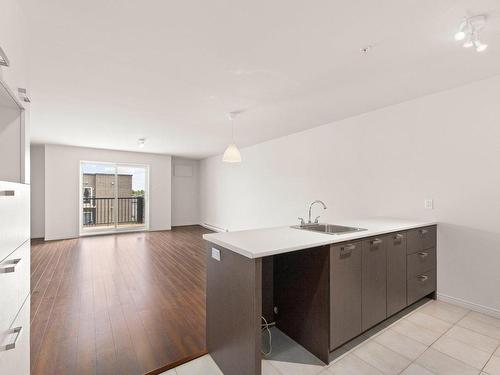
[469,305]
[214,228]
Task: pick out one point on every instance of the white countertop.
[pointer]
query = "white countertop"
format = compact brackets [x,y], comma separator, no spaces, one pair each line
[257,243]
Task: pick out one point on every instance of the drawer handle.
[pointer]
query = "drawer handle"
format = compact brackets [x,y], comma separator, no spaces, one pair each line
[14,331]
[423,278]
[423,254]
[346,250]
[398,236]
[9,266]
[376,241]
[423,232]
[7,193]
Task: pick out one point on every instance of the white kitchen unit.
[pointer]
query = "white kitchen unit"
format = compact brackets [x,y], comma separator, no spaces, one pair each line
[14,278]
[14,226]
[14,140]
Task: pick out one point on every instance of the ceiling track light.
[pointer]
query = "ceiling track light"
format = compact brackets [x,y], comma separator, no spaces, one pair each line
[469,32]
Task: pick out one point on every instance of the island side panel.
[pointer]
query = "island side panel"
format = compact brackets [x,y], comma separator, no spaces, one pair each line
[234,304]
[302,295]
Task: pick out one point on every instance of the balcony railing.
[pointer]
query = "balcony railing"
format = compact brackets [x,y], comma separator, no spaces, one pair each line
[101,211]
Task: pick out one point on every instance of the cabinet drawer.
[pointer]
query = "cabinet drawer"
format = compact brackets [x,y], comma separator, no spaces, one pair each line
[15,344]
[15,217]
[421,285]
[345,292]
[14,283]
[421,239]
[421,261]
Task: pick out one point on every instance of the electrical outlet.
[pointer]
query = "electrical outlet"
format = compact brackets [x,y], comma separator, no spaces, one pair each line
[429,204]
[216,254]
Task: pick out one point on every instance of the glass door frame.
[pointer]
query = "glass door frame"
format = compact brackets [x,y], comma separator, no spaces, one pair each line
[93,231]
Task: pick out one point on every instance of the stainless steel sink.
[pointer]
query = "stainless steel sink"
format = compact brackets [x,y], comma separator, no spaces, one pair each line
[328,228]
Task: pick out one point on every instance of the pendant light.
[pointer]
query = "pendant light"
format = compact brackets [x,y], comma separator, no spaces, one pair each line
[232,154]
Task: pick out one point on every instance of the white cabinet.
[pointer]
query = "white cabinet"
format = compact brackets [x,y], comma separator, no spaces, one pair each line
[15,216]
[14,278]
[15,344]
[14,283]
[14,41]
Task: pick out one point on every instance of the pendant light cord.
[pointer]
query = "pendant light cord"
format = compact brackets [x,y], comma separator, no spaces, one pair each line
[232,129]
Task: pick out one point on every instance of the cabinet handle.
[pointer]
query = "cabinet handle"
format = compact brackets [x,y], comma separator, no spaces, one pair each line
[423,278]
[7,193]
[423,254]
[347,249]
[398,236]
[9,266]
[423,232]
[376,241]
[14,331]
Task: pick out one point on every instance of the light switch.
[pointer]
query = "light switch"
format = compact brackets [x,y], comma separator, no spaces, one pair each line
[429,204]
[216,254]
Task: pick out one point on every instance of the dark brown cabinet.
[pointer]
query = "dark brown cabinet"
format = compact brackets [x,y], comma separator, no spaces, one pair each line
[396,272]
[421,263]
[421,285]
[374,278]
[421,239]
[345,292]
[374,282]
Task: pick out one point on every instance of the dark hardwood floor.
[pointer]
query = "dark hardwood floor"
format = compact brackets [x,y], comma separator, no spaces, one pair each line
[117,304]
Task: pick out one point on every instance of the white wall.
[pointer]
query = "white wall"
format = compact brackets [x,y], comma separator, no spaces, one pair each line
[185,193]
[62,168]
[444,146]
[37,191]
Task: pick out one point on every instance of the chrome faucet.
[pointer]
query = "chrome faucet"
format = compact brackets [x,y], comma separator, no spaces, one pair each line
[310,208]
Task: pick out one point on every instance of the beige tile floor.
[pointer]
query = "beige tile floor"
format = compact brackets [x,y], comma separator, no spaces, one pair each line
[435,339]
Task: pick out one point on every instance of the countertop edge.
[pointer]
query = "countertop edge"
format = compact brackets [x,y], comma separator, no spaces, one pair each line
[329,239]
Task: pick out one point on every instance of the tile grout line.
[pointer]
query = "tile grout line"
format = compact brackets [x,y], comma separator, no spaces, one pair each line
[489,359]
[429,347]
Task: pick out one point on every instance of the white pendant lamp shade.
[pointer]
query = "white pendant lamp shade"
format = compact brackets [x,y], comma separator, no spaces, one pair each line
[232,154]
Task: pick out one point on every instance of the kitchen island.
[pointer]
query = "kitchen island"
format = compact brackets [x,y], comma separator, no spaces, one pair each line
[322,290]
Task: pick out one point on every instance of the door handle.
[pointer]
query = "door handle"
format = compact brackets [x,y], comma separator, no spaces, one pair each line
[7,193]
[423,278]
[347,249]
[9,266]
[398,236]
[11,345]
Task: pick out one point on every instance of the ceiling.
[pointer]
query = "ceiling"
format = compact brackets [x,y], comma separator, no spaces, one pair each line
[107,72]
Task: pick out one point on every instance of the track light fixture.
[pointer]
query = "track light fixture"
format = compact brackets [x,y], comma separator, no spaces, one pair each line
[469,32]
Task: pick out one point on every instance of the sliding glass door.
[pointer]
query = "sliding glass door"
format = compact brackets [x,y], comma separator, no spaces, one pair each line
[113,197]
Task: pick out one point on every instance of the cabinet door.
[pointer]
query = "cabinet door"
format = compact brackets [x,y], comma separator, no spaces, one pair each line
[15,216]
[374,276]
[15,344]
[345,292]
[396,272]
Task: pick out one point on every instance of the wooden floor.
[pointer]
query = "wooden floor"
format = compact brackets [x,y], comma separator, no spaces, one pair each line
[117,304]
